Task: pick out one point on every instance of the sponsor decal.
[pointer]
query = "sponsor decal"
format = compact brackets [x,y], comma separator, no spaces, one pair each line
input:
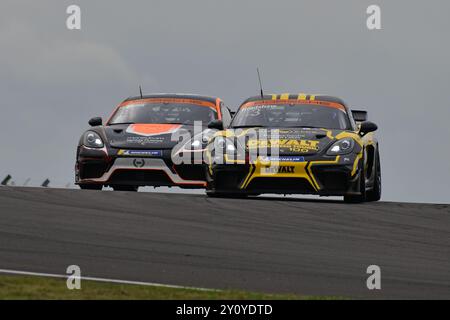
[149,130]
[145,140]
[274,103]
[275,169]
[292,133]
[292,145]
[138,163]
[283,159]
[279,134]
[170,100]
[141,153]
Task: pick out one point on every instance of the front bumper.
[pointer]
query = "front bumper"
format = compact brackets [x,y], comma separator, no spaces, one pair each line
[334,176]
[97,167]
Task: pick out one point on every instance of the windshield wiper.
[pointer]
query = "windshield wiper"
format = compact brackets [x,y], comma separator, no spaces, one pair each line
[146,123]
[121,123]
[249,126]
[302,127]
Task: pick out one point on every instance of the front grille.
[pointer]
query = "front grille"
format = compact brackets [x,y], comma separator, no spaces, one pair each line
[92,170]
[140,177]
[281,185]
[226,180]
[332,179]
[191,172]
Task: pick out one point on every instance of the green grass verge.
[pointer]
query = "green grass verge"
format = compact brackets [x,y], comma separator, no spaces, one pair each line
[27,287]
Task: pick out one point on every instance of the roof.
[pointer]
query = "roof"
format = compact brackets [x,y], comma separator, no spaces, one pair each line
[174,96]
[297,96]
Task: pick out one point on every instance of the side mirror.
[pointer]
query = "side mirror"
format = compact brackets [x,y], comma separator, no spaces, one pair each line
[216,124]
[95,122]
[367,127]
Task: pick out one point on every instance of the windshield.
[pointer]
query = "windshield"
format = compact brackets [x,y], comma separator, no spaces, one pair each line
[291,115]
[164,112]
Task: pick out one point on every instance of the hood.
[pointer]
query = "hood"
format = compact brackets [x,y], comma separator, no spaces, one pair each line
[304,141]
[146,136]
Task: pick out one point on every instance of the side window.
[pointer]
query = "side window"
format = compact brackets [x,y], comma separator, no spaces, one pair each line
[226,116]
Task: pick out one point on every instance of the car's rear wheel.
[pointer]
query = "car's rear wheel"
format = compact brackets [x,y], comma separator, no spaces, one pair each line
[90,186]
[375,193]
[125,188]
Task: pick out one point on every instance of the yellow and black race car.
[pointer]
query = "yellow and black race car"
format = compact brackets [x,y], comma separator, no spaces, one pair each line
[296,144]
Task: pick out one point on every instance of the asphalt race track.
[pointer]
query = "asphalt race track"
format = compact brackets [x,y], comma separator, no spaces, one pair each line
[309,247]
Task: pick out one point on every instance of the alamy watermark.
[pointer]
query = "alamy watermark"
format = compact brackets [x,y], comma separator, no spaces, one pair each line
[373,21]
[243,146]
[73,21]
[74,279]
[374,280]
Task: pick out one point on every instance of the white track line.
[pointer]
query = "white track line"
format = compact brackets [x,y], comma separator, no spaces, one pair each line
[65,276]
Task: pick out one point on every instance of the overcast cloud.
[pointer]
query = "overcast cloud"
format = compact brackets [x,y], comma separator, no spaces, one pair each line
[52,80]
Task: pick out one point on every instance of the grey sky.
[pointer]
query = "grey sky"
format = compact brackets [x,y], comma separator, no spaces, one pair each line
[53,80]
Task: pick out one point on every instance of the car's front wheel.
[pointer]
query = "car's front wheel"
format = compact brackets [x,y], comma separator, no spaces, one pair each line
[226,195]
[375,193]
[362,187]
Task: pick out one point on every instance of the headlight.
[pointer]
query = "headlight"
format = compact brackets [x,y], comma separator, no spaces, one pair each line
[196,144]
[225,150]
[92,140]
[225,144]
[343,146]
[200,141]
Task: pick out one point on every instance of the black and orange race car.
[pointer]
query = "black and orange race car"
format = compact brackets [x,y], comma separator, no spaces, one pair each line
[296,144]
[138,143]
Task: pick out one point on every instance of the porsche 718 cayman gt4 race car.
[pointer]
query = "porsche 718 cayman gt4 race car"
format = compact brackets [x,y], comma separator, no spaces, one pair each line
[296,144]
[137,145]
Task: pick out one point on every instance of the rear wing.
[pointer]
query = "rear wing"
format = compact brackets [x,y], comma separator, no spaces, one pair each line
[359,115]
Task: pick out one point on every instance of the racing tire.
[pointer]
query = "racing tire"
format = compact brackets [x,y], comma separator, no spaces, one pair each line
[217,194]
[214,195]
[90,186]
[236,195]
[375,193]
[125,188]
[362,188]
